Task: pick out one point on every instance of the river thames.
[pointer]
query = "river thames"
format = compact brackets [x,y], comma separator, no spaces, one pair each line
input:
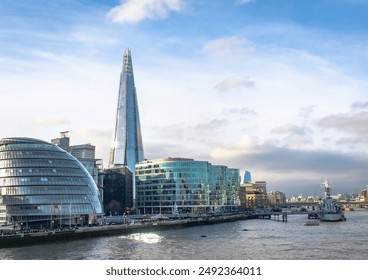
[241,240]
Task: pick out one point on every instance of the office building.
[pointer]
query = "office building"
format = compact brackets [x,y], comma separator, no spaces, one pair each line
[127,147]
[117,190]
[188,186]
[254,194]
[85,153]
[276,197]
[247,177]
[43,185]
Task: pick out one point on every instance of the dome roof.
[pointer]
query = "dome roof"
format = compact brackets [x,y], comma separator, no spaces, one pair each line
[39,180]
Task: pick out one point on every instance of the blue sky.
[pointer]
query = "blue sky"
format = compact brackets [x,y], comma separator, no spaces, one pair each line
[275,87]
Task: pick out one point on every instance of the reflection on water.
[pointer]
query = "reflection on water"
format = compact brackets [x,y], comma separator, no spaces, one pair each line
[240,240]
[150,238]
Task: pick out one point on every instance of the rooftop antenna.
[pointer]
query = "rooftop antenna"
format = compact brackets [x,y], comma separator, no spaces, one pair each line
[64,134]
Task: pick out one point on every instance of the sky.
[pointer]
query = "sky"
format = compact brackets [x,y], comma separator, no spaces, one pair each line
[278,88]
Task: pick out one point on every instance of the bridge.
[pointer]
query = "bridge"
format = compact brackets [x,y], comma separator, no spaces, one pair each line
[301,204]
[283,215]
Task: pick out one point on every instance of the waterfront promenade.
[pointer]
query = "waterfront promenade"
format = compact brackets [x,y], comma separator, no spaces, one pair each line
[12,238]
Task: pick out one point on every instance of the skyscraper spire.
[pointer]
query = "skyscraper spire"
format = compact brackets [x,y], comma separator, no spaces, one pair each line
[127,147]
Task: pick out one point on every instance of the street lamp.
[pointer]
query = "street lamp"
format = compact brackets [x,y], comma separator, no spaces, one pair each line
[70,215]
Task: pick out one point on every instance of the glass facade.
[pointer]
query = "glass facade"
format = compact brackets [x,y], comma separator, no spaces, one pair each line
[127,148]
[117,190]
[43,185]
[186,185]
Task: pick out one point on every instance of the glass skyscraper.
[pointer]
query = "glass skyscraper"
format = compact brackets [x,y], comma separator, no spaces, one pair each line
[127,147]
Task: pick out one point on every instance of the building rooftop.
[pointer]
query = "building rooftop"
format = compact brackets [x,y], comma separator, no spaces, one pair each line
[21,140]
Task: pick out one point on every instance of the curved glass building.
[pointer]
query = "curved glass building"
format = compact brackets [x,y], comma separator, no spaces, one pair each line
[43,185]
[183,185]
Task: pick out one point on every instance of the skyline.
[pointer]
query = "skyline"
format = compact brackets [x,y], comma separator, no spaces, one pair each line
[276,89]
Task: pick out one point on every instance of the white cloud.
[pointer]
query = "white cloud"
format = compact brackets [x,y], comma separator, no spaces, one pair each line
[291,129]
[242,2]
[51,121]
[355,123]
[359,105]
[133,11]
[240,111]
[227,48]
[235,82]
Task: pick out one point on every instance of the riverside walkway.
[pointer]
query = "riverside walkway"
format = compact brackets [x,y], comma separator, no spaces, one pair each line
[13,238]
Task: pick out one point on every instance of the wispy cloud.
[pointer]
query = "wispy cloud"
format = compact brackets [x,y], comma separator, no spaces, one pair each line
[209,128]
[293,136]
[360,105]
[134,11]
[51,121]
[291,129]
[235,82]
[354,123]
[227,48]
[240,111]
[242,2]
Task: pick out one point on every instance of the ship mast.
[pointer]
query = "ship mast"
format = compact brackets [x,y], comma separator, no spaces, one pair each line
[326,188]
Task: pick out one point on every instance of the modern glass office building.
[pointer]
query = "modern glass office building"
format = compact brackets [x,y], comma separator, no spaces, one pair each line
[43,185]
[127,147]
[188,186]
[117,190]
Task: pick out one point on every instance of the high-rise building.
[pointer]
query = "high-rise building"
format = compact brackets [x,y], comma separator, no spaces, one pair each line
[85,153]
[127,147]
[247,177]
[117,190]
[63,142]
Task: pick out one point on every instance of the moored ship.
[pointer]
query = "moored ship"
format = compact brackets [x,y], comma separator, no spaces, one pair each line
[330,210]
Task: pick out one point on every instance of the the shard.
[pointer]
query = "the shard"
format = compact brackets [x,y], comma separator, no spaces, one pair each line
[127,147]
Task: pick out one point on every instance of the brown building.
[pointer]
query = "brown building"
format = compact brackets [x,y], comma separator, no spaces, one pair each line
[253,195]
[276,197]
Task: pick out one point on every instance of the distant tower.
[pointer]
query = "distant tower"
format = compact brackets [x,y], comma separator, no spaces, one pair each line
[127,147]
[247,177]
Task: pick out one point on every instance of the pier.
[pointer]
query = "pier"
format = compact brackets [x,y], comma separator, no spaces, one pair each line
[283,215]
[269,214]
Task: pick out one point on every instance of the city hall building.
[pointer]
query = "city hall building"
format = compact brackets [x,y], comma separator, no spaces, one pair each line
[43,185]
[180,185]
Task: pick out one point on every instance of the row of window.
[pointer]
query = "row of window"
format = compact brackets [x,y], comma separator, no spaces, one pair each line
[194,200]
[173,192]
[144,186]
[49,210]
[38,163]
[181,203]
[71,172]
[27,146]
[33,155]
[179,187]
[42,181]
[170,206]
[187,176]
[45,190]
[54,199]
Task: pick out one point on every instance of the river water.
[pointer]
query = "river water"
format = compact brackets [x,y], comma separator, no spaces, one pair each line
[247,239]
